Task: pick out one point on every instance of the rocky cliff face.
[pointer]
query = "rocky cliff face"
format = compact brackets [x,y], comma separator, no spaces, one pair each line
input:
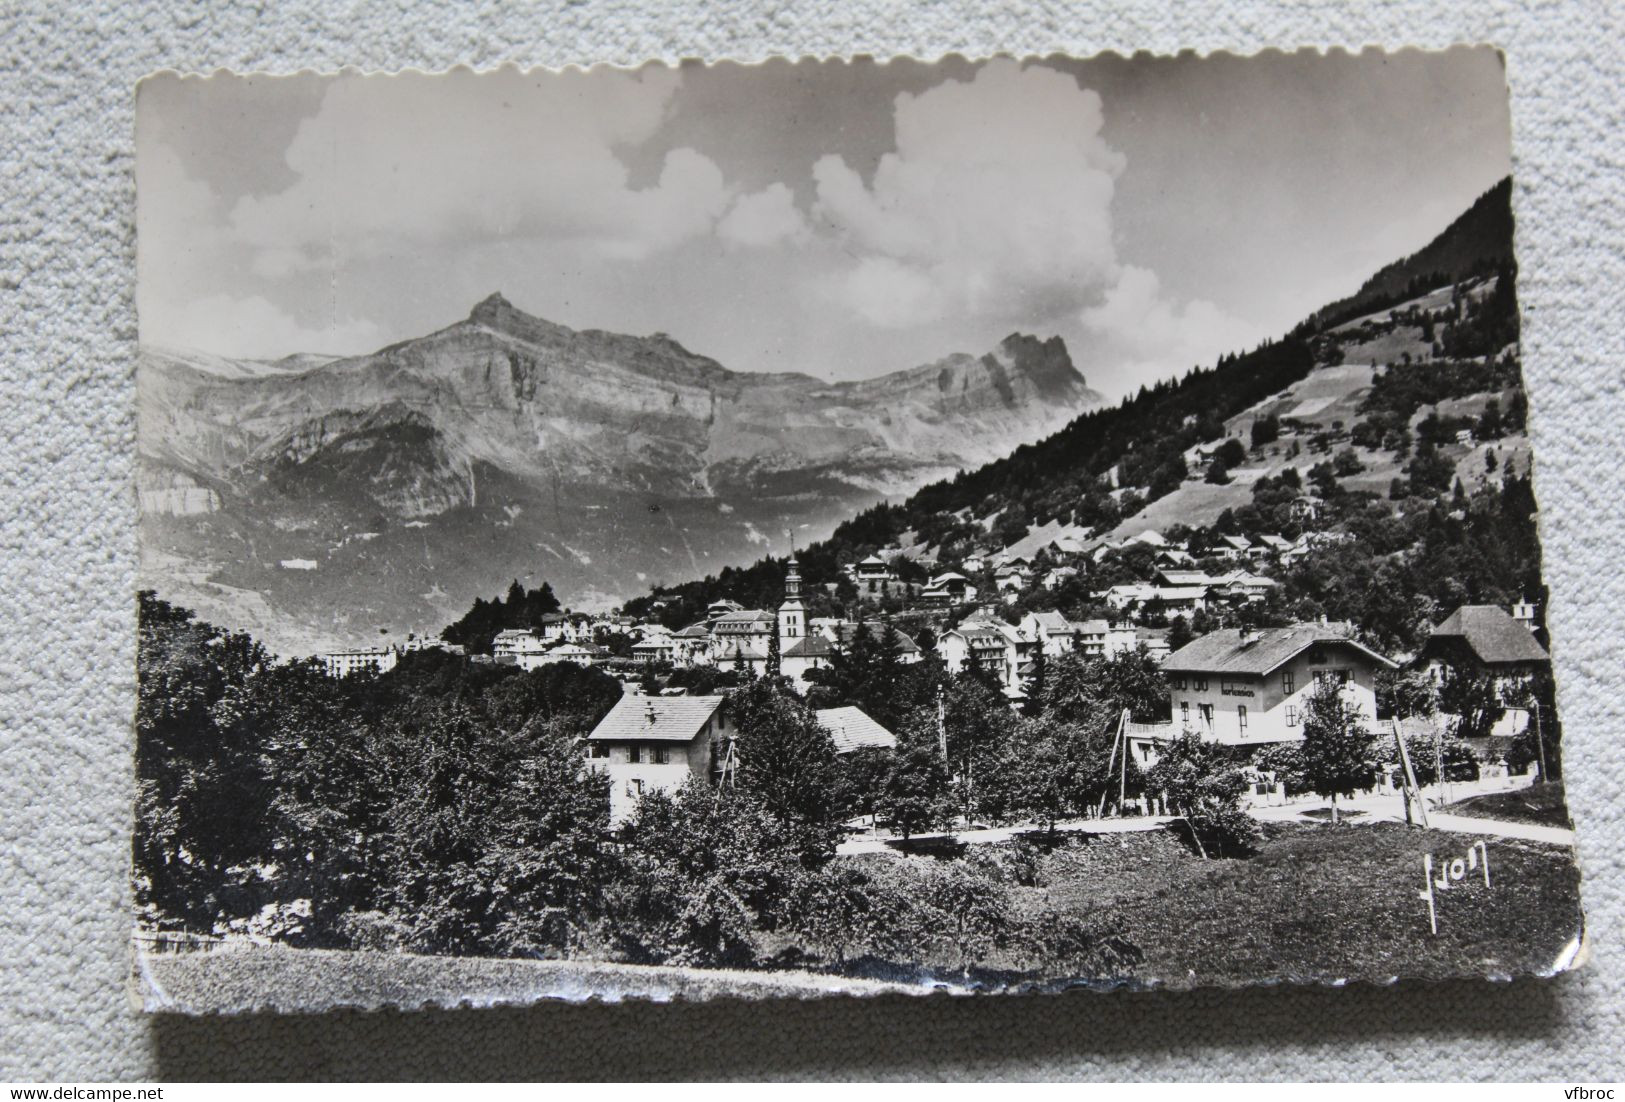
[506,445]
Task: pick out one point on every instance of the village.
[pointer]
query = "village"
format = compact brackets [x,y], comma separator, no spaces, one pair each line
[1243,686]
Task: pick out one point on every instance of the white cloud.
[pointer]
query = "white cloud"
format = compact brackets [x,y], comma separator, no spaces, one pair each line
[763,218]
[996,202]
[460,158]
[254,328]
[181,247]
[1135,320]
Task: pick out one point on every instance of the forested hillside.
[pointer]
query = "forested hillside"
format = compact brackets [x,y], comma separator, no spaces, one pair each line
[1438,327]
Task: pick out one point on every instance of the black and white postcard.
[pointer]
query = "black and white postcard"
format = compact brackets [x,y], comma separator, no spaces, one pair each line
[838,526]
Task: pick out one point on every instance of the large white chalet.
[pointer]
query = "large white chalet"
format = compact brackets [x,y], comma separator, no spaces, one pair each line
[1249,687]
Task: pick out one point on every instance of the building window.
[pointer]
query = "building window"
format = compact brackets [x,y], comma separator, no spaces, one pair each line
[1185,712]
[658,755]
[634,755]
[1179,683]
[1288,682]
[1199,684]
[1207,713]
[1241,717]
[597,750]
[1291,716]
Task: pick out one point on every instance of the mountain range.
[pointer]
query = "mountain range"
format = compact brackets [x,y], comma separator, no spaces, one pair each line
[1116,471]
[321,501]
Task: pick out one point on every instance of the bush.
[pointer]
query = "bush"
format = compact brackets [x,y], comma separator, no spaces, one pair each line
[1203,785]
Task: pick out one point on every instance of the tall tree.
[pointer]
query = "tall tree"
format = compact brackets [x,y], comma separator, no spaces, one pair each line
[202,803]
[1036,775]
[914,791]
[774,657]
[1038,679]
[1336,753]
[1472,700]
[787,761]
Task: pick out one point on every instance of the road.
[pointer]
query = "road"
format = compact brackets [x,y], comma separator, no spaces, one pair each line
[1380,808]
[1005,834]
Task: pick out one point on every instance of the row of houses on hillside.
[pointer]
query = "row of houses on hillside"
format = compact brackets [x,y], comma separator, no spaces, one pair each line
[1008,651]
[379,659]
[736,638]
[1240,687]
[1184,592]
[1241,550]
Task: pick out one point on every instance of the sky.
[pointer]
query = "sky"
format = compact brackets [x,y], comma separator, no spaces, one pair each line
[839,218]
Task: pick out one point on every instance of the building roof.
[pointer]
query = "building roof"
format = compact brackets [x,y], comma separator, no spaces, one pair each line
[1186,577]
[744,619]
[1052,622]
[1230,651]
[694,631]
[873,560]
[1179,592]
[905,645]
[655,719]
[810,646]
[731,650]
[1495,637]
[852,729]
[513,633]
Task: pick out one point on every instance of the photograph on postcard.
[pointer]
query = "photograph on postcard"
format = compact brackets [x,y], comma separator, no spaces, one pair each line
[837,526]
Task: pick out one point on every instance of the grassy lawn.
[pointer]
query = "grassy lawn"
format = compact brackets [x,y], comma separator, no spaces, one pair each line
[1323,903]
[1541,804]
[1315,904]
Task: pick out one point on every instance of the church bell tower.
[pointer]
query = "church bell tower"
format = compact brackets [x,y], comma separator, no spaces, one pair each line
[792,614]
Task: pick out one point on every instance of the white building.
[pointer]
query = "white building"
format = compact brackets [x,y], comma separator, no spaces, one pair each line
[649,744]
[342,663]
[991,645]
[1246,687]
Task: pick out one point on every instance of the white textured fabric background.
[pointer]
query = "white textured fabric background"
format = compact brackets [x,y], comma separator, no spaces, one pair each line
[67,332]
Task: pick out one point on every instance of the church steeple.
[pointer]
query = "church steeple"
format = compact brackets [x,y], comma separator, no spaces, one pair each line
[792,615]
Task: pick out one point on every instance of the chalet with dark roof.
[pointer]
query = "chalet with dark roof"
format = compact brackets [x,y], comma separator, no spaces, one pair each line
[1483,638]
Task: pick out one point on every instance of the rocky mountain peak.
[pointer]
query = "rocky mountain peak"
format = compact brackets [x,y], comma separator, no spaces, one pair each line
[493,309]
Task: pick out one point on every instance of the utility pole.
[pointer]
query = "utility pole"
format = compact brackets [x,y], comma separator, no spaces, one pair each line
[1540,741]
[1122,783]
[942,729]
[1412,792]
[1438,762]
